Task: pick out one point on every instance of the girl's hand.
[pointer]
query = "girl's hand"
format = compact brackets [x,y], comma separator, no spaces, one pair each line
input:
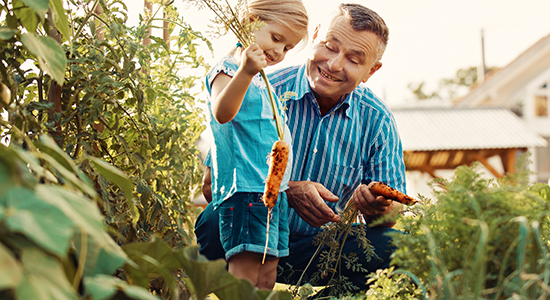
[253,60]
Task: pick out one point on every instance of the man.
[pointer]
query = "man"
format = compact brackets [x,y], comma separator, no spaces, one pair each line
[344,137]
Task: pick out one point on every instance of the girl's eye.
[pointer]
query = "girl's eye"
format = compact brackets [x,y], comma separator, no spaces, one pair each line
[275,38]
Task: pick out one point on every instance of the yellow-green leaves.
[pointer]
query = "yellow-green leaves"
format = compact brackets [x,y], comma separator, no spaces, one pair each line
[40,7]
[49,53]
[117,177]
[60,18]
[7,33]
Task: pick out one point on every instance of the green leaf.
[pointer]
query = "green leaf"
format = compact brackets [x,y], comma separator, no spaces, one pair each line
[60,18]
[117,177]
[242,290]
[7,33]
[41,222]
[69,176]
[49,53]
[49,146]
[8,170]
[39,6]
[144,254]
[10,272]
[26,15]
[273,295]
[11,20]
[83,213]
[103,256]
[43,277]
[103,287]
[204,276]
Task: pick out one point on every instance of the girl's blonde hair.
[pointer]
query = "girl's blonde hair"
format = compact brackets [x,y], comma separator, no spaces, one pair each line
[291,13]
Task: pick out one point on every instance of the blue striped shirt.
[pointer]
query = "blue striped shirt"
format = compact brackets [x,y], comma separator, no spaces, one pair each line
[357,141]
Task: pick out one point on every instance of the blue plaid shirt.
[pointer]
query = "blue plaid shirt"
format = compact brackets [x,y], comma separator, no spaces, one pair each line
[357,141]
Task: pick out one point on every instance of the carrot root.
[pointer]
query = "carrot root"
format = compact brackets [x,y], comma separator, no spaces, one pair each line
[277,166]
[386,191]
[267,235]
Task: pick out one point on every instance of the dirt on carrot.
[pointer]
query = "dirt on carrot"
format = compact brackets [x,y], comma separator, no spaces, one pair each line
[277,166]
[386,191]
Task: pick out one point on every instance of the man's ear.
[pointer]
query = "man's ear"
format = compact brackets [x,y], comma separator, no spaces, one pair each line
[372,70]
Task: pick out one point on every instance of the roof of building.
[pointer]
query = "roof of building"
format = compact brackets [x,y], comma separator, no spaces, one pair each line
[430,129]
[501,87]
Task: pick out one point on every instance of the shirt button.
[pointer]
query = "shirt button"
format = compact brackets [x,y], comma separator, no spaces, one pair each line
[314,150]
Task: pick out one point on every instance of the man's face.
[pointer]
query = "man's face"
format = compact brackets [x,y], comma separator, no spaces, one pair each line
[342,60]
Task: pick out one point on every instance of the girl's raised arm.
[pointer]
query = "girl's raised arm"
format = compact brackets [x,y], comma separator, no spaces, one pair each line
[228,93]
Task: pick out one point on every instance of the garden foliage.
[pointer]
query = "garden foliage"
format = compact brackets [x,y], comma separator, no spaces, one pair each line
[98,166]
[477,239]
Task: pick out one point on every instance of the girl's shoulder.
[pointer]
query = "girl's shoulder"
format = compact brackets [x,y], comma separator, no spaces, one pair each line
[228,65]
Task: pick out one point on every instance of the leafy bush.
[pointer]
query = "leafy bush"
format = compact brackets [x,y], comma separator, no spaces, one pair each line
[479,238]
[98,129]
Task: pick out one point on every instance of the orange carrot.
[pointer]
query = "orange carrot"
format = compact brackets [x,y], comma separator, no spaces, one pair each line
[277,166]
[386,191]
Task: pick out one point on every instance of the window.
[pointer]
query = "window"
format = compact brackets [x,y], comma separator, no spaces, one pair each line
[541,106]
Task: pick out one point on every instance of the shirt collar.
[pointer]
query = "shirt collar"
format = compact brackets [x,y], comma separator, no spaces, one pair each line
[302,84]
[303,88]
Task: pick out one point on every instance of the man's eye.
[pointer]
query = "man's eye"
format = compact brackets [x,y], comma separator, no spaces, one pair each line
[329,47]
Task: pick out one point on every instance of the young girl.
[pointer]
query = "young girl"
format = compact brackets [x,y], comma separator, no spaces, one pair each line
[244,131]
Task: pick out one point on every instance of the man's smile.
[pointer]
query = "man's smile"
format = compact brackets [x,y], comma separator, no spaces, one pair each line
[330,78]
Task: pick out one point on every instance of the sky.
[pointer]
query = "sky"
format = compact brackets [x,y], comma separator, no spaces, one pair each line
[429,39]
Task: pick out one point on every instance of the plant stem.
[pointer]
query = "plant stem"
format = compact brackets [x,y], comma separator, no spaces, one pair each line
[276,116]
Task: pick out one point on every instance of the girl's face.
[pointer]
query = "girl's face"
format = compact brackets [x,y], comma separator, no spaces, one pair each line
[276,39]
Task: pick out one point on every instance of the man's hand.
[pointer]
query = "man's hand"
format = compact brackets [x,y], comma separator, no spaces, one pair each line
[308,200]
[374,207]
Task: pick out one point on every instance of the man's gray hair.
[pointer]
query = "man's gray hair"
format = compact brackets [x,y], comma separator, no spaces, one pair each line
[364,19]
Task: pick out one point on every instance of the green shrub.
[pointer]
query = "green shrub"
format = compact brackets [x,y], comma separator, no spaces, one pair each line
[479,238]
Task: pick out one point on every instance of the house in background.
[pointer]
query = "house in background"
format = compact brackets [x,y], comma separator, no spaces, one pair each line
[436,140]
[523,86]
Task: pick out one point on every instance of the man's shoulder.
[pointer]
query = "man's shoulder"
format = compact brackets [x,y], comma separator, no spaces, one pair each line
[284,76]
[367,100]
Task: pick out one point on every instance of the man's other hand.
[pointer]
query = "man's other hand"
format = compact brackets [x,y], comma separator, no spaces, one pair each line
[308,200]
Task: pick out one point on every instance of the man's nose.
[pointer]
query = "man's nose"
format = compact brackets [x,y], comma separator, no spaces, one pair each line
[335,62]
